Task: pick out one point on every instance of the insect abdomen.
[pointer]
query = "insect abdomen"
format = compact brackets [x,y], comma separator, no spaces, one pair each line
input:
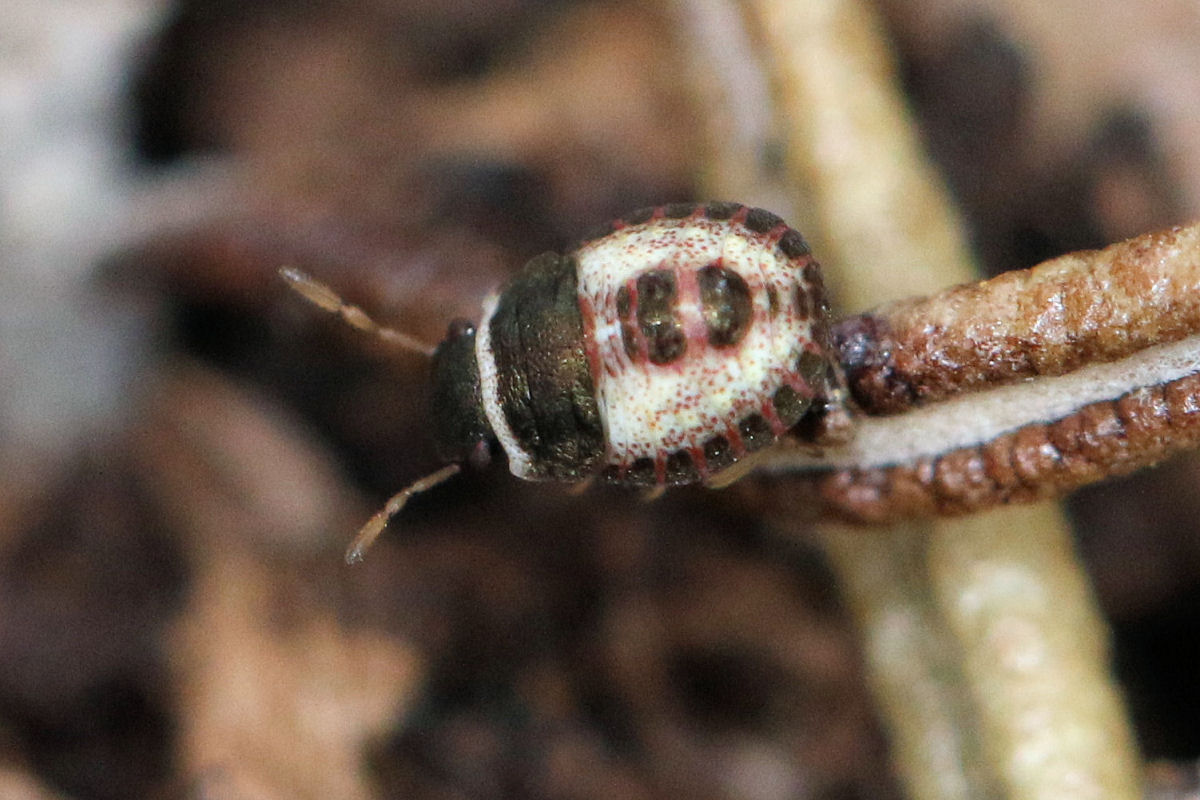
[705,334]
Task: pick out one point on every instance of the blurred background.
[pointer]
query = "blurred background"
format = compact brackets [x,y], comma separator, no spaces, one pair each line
[186,447]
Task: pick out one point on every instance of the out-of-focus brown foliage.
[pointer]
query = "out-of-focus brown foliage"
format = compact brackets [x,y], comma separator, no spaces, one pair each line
[174,615]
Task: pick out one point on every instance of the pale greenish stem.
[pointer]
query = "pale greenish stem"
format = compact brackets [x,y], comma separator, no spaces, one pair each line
[914,663]
[884,226]
[986,692]
[1035,655]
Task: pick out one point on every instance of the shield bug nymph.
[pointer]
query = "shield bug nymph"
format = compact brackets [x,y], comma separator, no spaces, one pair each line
[661,352]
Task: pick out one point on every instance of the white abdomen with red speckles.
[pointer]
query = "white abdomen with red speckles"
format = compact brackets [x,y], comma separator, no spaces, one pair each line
[651,410]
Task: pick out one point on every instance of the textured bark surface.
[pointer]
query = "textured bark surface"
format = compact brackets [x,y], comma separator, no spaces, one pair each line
[1073,310]
[1038,461]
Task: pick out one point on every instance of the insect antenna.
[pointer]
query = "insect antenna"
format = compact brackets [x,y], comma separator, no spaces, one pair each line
[368,533]
[322,296]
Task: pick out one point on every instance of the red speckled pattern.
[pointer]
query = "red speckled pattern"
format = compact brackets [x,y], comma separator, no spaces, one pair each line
[652,410]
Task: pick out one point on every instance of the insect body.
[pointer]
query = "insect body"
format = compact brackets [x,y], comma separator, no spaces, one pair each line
[659,353]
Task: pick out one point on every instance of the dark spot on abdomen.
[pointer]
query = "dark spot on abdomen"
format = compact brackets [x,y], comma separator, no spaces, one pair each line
[726,304]
[756,432]
[658,317]
[718,453]
[790,405]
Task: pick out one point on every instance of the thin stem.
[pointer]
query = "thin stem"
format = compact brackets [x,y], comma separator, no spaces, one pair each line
[890,231]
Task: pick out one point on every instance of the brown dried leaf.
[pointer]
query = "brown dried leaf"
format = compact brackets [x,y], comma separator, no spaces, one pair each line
[280,710]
